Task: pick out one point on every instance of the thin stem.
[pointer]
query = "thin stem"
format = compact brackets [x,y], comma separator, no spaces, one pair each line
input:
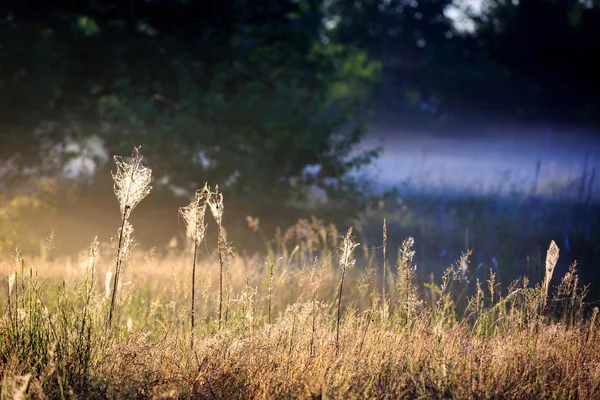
[312,336]
[337,331]
[84,336]
[220,277]
[227,303]
[406,306]
[117,269]
[384,270]
[292,337]
[362,341]
[270,290]
[193,291]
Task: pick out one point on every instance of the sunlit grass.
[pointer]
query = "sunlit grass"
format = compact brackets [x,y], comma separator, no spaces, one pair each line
[295,322]
[513,343]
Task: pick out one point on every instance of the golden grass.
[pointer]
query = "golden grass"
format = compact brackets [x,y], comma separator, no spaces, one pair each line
[53,336]
[299,322]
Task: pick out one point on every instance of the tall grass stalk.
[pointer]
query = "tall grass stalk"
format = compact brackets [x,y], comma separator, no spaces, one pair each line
[270,288]
[383,299]
[52,342]
[216,208]
[131,185]
[193,215]
[551,260]
[405,272]
[315,280]
[347,261]
[85,333]
[229,291]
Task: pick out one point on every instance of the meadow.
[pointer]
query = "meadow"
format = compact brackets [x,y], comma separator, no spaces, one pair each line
[508,234]
[314,315]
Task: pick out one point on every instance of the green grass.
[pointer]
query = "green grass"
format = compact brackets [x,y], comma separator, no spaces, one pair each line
[512,343]
[507,234]
[298,320]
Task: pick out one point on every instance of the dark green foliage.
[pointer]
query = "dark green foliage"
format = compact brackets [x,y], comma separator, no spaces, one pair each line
[547,49]
[242,93]
[248,94]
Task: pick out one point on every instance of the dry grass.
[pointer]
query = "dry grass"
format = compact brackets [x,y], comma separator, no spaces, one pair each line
[297,323]
[53,334]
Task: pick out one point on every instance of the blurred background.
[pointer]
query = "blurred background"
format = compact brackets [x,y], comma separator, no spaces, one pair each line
[467,124]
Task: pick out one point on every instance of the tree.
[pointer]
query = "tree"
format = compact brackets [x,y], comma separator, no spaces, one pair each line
[242,93]
[524,61]
[549,49]
[411,40]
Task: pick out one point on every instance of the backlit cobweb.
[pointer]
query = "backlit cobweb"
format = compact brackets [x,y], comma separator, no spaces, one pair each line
[131,182]
[193,214]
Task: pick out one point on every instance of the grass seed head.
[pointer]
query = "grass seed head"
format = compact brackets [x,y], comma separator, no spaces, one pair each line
[93,253]
[128,242]
[11,282]
[551,260]
[215,203]
[107,284]
[193,214]
[131,182]
[347,259]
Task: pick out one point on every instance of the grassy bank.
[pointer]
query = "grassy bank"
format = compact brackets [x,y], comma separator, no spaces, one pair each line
[507,234]
[279,327]
[315,315]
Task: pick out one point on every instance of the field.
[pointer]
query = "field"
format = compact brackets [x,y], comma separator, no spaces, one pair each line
[509,235]
[315,315]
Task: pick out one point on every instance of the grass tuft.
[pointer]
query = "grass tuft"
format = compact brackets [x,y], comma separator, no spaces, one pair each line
[282,331]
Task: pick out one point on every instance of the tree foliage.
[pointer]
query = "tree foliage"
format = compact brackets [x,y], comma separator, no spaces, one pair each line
[269,98]
[410,38]
[242,93]
[523,61]
[549,50]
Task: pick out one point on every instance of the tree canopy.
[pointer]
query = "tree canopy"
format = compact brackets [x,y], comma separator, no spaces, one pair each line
[242,92]
[527,62]
[271,98]
[549,50]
